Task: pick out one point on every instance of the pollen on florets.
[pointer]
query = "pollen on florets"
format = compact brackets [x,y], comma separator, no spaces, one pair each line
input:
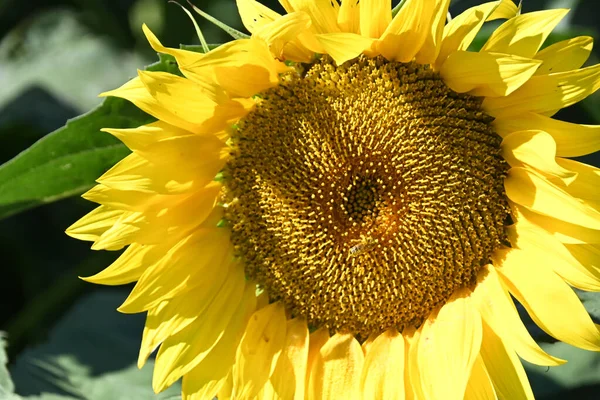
[364,195]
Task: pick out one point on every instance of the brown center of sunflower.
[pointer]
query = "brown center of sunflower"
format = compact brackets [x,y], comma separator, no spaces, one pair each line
[364,195]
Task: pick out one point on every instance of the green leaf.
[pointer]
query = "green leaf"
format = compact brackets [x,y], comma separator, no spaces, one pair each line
[6,385]
[578,378]
[67,161]
[90,354]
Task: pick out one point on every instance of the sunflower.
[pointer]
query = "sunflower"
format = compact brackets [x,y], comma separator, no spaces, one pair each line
[345,204]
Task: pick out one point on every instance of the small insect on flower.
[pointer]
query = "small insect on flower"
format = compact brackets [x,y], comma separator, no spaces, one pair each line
[365,244]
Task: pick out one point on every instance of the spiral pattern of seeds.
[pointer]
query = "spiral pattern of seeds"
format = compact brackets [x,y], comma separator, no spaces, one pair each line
[364,195]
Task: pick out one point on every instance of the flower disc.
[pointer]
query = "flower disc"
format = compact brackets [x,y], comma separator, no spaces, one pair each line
[364,195]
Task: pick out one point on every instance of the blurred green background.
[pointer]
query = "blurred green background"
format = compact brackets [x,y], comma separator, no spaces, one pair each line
[64,336]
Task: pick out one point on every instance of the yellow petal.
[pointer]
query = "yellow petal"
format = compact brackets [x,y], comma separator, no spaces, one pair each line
[431,46]
[343,46]
[289,376]
[181,352]
[565,55]
[129,266]
[546,94]
[550,302]
[480,386]
[254,14]
[550,252]
[194,103]
[226,391]
[448,346]
[534,192]
[206,250]
[499,312]
[405,35]
[585,185]
[413,384]
[383,371]
[176,221]
[122,233]
[337,369]
[487,74]
[175,314]
[242,67]
[303,47]
[563,231]
[283,31]
[130,200]
[138,174]
[317,339]
[94,224]
[375,16]
[323,13]
[284,28]
[142,136]
[209,391]
[297,52]
[587,254]
[535,149]
[190,152]
[164,323]
[169,223]
[183,57]
[572,140]
[504,367]
[366,345]
[349,16]
[212,375]
[524,34]
[259,350]
[506,9]
[135,91]
[170,166]
[460,31]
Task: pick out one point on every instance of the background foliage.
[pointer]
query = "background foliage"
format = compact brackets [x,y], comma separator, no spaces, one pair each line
[64,339]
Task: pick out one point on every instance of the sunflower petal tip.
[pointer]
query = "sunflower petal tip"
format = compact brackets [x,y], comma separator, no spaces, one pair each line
[160,379]
[559,361]
[98,245]
[124,309]
[141,360]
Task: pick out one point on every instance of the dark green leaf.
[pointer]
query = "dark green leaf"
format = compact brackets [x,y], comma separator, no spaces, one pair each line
[90,355]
